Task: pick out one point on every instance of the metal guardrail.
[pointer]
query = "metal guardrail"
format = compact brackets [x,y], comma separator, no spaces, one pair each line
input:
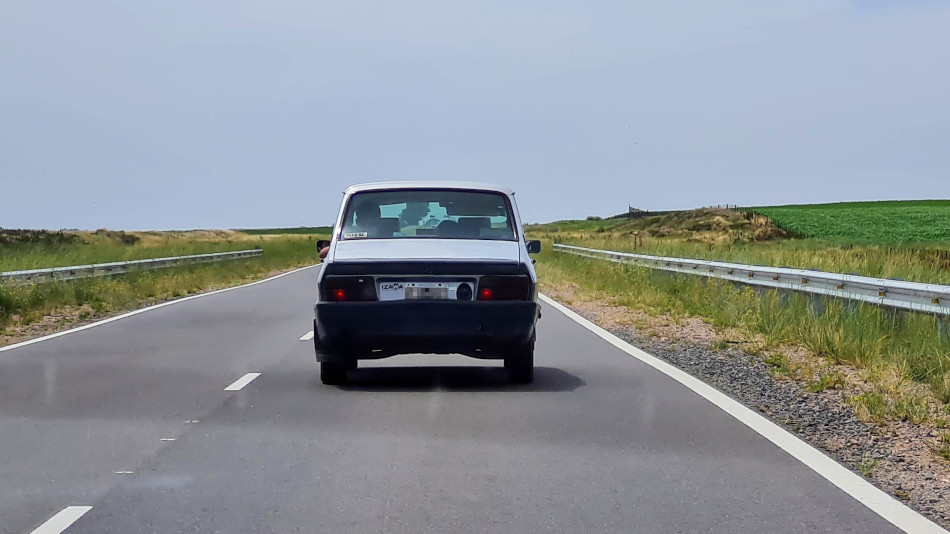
[910,296]
[35,276]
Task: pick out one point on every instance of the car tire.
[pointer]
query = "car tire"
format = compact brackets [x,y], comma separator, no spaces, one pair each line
[519,362]
[333,373]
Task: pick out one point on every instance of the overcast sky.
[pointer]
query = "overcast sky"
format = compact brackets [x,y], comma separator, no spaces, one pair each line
[223,114]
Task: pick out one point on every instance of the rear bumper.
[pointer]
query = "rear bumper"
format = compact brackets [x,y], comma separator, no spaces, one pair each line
[365,330]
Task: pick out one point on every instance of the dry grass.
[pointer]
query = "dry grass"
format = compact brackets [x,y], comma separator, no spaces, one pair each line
[891,367]
[25,309]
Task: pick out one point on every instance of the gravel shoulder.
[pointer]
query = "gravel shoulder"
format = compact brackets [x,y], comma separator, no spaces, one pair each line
[898,457]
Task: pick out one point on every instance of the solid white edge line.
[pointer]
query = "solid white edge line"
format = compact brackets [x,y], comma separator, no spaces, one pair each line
[62,520]
[889,508]
[307,337]
[241,382]
[143,310]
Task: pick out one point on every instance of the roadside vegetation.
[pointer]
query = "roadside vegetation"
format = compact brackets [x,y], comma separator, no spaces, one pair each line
[301,230]
[891,366]
[901,362]
[31,309]
[745,237]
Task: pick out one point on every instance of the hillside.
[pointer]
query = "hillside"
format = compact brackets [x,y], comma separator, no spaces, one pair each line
[704,225]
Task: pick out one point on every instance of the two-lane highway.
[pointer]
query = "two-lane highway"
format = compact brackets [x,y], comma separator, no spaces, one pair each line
[209,416]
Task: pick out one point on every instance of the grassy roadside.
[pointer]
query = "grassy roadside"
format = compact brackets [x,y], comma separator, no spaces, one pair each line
[930,263]
[36,250]
[895,367]
[728,235]
[33,309]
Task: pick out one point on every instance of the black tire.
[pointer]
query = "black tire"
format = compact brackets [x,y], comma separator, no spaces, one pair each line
[519,363]
[333,373]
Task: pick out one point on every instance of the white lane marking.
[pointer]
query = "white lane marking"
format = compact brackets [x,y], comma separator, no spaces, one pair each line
[307,337]
[241,382]
[61,521]
[167,439]
[125,472]
[143,310]
[192,421]
[889,508]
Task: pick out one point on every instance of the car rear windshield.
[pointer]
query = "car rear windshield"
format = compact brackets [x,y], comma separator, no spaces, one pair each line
[428,213]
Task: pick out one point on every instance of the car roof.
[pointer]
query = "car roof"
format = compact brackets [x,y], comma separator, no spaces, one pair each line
[421,184]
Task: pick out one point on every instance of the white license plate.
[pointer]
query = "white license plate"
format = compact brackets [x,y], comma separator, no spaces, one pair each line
[399,290]
[423,293]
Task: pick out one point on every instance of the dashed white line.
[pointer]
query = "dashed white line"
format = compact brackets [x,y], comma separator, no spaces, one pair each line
[241,382]
[307,337]
[889,508]
[167,439]
[61,521]
[125,472]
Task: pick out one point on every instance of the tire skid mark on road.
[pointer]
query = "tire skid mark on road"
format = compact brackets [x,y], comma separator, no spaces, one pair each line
[62,520]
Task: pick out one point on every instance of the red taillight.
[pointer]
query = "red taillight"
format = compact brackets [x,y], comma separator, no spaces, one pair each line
[504,288]
[349,288]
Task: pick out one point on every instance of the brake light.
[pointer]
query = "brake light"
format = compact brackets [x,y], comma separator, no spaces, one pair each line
[349,288]
[504,288]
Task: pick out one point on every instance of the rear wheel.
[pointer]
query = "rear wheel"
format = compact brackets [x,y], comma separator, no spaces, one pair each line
[333,373]
[519,362]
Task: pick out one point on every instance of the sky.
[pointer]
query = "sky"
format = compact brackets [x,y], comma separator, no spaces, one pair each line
[242,114]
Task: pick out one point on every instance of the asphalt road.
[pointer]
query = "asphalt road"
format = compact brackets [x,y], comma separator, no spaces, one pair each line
[132,418]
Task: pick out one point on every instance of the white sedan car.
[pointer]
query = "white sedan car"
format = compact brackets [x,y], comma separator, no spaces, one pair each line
[427,267]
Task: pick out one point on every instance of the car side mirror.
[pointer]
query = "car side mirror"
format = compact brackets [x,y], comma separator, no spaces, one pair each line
[533,247]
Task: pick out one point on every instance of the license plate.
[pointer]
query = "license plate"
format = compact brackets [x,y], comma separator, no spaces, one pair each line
[426,292]
[402,290]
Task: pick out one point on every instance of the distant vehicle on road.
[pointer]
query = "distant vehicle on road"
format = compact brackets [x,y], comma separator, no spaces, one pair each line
[426,267]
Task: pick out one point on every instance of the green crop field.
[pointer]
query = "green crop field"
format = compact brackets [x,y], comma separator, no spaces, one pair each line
[919,221]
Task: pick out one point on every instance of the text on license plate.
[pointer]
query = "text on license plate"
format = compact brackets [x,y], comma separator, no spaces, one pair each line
[415,292]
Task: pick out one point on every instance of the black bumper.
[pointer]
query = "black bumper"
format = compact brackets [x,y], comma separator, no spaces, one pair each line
[365,330]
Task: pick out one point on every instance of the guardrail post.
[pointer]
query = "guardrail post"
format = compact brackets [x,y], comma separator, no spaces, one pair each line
[816,303]
[784,297]
[943,328]
[895,317]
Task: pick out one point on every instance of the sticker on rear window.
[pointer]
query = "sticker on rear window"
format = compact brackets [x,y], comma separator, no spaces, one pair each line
[354,235]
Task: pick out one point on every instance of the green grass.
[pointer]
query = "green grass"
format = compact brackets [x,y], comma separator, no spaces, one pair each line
[323,230]
[867,465]
[864,336]
[903,240]
[23,305]
[944,449]
[922,221]
[931,265]
[107,246]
